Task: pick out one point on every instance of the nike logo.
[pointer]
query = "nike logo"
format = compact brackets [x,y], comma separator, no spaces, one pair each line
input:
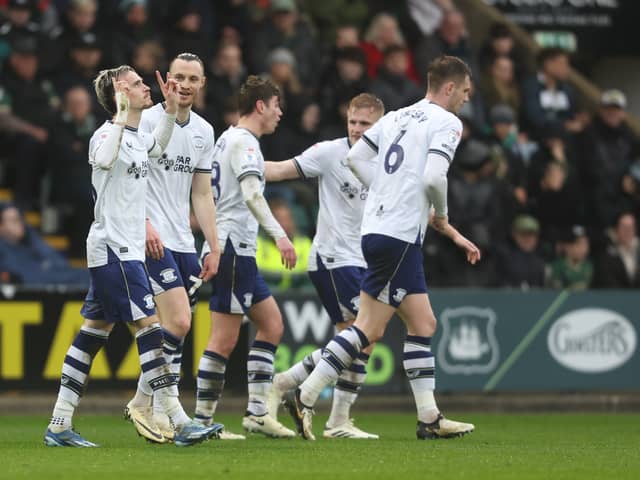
[260,422]
[153,434]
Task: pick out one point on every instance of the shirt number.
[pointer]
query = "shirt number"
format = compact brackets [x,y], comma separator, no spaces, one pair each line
[215,181]
[395,155]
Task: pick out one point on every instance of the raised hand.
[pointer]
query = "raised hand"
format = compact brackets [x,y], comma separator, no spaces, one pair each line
[169,92]
[121,93]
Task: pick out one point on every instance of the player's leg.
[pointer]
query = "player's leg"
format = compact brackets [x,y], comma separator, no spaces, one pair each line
[340,424]
[137,307]
[388,265]
[90,339]
[266,316]
[226,318]
[419,364]
[225,329]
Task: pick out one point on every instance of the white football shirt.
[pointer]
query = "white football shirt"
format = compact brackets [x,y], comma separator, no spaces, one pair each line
[120,198]
[189,151]
[236,155]
[342,200]
[397,205]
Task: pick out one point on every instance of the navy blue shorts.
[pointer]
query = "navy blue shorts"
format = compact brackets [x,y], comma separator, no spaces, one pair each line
[175,269]
[339,290]
[394,269]
[119,292]
[238,285]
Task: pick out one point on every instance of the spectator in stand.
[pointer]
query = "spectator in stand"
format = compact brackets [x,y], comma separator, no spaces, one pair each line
[33,100]
[18,21]
[283,73]
[68,167]
[284,28]
[573,269]
[85,62]
[511,166]
[475,202]
[342,81]
[556,204]
[631,187]
[79,17]
[619,265]
[501,43]
[392,85]
[606,151]
[226,75]
[132,27]
[449,39]
[384,32]
[518,263]
[498,85]
[186,31]
[148,57]
[28,259]
[548,99]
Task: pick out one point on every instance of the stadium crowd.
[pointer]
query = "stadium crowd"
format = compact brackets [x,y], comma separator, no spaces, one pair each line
[547,189]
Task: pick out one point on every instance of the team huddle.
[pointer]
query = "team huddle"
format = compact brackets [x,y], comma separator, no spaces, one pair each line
[379,189]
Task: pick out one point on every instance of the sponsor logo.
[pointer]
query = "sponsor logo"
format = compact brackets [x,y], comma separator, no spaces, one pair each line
[139,171]
[399,295]
[592,340]
[468,344]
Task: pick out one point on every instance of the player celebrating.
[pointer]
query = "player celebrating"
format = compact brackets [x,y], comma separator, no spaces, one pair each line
[182,172]
[238,288]
[414,147]
[120,290]
[335,263]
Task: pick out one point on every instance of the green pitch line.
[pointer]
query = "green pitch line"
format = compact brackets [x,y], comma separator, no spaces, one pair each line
[503,447]
[526,341]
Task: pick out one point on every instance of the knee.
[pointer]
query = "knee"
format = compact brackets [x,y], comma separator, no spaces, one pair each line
[271,331]
[223,344]
[181,325]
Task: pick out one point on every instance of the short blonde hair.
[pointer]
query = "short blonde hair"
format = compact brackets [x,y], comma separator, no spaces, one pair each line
[367,100]
[103,85]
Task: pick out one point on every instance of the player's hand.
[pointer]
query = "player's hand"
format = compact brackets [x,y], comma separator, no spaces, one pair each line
[471,250]
[154,247]
[169,92]
[210,265]
[121,93]
[287,253]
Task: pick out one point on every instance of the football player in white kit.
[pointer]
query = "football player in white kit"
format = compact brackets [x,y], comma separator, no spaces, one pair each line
[336,264]
[120,290]
[414,147]
[180,174]
[238,288]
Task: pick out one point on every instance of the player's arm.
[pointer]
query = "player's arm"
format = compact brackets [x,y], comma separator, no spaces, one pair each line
[278,171]
[205,211]
[252,195]
[361,160]
[164,128]
[106,152]
[435,185]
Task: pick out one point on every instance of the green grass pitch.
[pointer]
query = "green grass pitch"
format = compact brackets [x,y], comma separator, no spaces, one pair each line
[504,446]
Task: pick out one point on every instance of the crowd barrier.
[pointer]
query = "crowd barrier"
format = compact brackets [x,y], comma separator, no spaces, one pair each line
[487,340]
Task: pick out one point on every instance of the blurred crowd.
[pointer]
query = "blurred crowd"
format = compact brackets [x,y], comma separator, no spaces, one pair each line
[549,190]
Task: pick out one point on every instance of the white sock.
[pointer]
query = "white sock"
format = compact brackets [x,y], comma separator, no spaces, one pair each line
[419,365]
